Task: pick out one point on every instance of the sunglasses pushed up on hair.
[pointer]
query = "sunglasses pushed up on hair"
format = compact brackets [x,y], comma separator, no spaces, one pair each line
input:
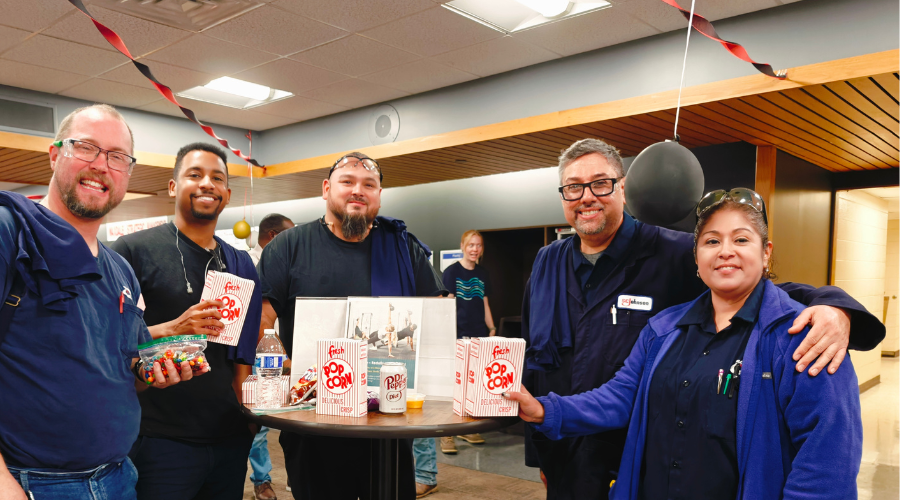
[744,196]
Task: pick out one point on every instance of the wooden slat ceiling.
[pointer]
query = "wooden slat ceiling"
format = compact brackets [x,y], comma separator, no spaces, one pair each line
[840,126]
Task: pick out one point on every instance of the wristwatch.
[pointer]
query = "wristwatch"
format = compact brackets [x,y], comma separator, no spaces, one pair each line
[136,370]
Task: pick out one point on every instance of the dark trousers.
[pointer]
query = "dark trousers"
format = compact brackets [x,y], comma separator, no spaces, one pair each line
[338,468]
[577,468]
[177,470]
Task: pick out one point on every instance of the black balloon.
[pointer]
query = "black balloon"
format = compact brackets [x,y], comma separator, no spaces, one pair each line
[664,184]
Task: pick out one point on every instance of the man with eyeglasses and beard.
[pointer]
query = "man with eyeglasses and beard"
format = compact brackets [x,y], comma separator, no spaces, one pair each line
[351,251]
[194,442]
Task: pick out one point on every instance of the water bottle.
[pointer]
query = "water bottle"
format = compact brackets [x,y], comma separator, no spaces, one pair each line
[269,360]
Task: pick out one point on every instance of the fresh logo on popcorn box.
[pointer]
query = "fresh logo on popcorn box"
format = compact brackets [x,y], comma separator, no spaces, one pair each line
[233,307]
[338,375]
[499,376]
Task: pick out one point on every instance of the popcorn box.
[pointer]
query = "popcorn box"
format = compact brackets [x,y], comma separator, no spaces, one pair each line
[342,377]
[461,366]
[235,292]
[248,390]
[495,366]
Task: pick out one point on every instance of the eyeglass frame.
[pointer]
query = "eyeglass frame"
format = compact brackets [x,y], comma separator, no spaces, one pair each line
[342,158]
[588,186]
[71,143]
[735,195]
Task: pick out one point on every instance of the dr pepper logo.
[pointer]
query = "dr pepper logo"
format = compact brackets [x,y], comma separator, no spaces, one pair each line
[338,375]
[498,375]
[233,305]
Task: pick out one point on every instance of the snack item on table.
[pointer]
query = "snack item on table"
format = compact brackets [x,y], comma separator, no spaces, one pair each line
[415,400]
[305,388]
[342,377]
[461,366]
[393,388]
[495,367]
[248,390]
[179,348]
[373,401]
[235,292]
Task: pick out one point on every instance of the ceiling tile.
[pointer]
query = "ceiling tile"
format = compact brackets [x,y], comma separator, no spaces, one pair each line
[354,15]
[176,78]
[276,31]
[419,76]
[117,94]
[354,93]
[722,10]
[300,108]
[432,32]
[26,76]
[140,36]
[212,114]
[11,36]
[32,15]
[295,77]
[653,12]
[496,56]
[586,32]
[208,55]
[355,55]
[60,54]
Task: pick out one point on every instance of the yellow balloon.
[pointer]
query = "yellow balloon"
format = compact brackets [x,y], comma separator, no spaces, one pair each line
[241,229]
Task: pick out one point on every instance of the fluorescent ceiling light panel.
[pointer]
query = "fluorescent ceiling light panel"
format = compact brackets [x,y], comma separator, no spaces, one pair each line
[509,16]
[235,93]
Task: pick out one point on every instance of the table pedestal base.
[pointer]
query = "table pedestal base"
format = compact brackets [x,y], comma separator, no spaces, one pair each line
[384,479]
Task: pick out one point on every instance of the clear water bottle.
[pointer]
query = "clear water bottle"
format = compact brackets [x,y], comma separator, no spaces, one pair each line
[269,361]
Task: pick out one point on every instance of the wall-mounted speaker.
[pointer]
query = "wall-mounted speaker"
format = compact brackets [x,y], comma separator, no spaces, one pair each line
[384,125]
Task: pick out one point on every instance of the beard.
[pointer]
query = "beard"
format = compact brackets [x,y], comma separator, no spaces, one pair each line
[584,227]
[353,225]
[213,215]
[79,207]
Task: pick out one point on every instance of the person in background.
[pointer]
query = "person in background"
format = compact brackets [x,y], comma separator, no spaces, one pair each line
[260,462]
[194,439]
[70,325]
[712,385]
[350,251]
[469,283]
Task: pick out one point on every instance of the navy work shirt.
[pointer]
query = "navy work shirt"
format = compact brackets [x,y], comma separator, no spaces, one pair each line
[691,447]
[68,398]
[591,276]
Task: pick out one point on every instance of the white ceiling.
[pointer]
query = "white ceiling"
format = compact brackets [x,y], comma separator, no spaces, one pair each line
[334,55]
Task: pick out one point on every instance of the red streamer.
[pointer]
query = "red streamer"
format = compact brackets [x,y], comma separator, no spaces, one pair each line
[705,28]
[116,41]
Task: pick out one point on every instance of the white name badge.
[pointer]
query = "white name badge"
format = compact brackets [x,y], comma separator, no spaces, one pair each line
[635,302]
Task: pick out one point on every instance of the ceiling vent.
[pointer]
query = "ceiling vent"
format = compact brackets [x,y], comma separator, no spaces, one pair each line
[27,117]
[191,15]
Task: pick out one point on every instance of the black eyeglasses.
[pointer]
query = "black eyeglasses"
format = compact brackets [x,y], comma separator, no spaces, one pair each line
[744,196]
[86,151]
[352,161]
[600,188]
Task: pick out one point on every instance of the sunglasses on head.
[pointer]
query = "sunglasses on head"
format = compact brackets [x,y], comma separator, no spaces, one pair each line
[352,161]
[744,196]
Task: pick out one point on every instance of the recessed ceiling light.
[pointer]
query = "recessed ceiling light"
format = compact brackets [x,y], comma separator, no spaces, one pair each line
[234,93]
[508,16]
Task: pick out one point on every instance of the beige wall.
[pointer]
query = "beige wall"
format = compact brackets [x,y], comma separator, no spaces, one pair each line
[891,342]
[861,222]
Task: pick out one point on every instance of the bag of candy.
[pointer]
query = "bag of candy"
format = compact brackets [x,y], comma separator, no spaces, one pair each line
[179,349]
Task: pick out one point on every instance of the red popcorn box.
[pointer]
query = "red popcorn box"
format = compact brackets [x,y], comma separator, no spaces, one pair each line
[495,367]
[235,293]
[342,365]
[248,390]
[461,366]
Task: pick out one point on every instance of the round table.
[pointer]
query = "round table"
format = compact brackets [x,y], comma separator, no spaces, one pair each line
[434,419]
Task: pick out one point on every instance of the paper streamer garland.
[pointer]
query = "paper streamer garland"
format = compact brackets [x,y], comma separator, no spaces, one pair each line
[117,42]
[702,25]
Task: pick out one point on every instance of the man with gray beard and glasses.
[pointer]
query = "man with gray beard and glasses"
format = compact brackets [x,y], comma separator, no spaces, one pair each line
[351,251]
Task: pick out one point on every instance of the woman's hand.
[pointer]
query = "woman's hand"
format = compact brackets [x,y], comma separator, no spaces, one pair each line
[530,409]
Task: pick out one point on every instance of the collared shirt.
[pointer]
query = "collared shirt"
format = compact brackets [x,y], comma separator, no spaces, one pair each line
[691,428]
[590,276]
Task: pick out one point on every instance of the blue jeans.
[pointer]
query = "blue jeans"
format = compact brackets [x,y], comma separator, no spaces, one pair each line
[260,461]
[425,455]
[106,482]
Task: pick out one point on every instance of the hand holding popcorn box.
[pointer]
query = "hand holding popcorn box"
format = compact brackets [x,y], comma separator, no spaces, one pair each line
[495,367]
[460,367]
[235,293]
[342,377]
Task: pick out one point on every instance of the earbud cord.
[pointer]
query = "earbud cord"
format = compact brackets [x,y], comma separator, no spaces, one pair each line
[189,290]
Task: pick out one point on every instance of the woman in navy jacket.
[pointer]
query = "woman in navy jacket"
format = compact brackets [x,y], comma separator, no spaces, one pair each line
[709,394]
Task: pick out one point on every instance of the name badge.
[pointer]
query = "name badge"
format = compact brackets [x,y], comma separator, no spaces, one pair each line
[767,375]
[635,302]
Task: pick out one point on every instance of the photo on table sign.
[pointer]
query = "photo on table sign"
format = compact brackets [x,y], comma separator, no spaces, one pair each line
[391,328]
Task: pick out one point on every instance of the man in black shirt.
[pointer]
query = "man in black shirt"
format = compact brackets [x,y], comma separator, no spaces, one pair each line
[348,252]
[194,441]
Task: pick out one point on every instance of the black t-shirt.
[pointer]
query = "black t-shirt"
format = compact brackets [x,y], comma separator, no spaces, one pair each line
[204,410]
[310,261]
[470,288]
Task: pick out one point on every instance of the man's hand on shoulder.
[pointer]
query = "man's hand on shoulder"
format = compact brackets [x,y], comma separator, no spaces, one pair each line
[197,320]
[827,340]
